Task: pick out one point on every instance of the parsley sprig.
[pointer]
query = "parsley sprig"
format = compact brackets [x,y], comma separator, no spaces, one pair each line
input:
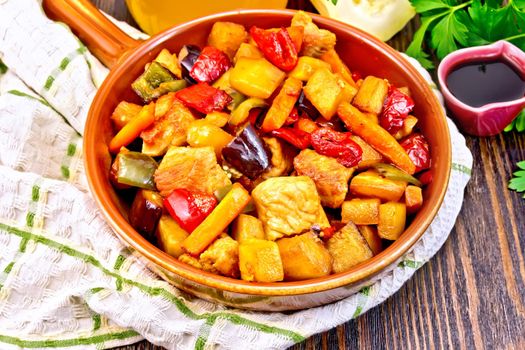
[3,67]
[517,183]
[447,25]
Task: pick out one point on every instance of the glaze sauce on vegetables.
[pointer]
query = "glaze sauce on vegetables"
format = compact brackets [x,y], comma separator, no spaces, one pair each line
[261,158]
[481,83]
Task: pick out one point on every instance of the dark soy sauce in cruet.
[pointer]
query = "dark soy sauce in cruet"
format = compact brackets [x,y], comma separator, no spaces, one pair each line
[480,83]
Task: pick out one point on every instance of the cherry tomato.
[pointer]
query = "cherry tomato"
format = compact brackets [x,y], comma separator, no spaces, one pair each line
[338,145]
[296,137]
[418,150]
[395,110]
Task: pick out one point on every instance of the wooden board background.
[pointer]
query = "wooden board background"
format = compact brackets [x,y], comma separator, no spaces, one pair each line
[471,294]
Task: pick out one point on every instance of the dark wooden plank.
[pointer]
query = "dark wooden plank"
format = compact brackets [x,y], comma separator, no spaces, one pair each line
[471,295]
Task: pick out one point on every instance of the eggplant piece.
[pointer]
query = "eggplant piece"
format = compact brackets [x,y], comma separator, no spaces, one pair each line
[145,213]
[247,153]
[304,105]
[188,55]
[145,85]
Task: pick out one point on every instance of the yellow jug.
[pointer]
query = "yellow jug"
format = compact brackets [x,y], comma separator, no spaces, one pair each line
[154,16]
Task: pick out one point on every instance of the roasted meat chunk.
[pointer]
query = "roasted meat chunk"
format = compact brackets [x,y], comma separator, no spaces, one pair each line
[222,257]
[288,206]
[330,177]
[168,129]
[315,41]
[194,169]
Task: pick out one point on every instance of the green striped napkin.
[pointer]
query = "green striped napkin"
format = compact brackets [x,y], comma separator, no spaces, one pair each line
[66,281]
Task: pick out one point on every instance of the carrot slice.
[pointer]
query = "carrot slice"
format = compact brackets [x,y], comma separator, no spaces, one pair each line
[338,65]
[133,128]
[376,136]
[218,220]
[282,104]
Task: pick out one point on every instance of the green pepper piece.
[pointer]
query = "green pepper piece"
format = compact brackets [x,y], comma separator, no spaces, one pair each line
[241,113]
[237,99]
[223,83]
[392,173]
[136,169]
[170,86]
[151,79]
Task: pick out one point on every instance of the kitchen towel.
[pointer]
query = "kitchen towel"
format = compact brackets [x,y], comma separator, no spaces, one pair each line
[66,281]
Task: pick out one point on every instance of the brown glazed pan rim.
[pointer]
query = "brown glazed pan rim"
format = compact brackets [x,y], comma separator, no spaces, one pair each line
[360,273]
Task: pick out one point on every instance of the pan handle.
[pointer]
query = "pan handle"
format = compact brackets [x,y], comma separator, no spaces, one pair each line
[104,39]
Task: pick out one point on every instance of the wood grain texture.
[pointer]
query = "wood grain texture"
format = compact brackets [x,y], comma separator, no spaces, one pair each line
[471,295]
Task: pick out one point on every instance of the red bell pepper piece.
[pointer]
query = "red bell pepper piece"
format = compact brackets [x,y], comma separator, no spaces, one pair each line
[277,47]
[296,137]
[204,98]
[338,145]
[210,65]
[418,150]
[395,110]
[188,208]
